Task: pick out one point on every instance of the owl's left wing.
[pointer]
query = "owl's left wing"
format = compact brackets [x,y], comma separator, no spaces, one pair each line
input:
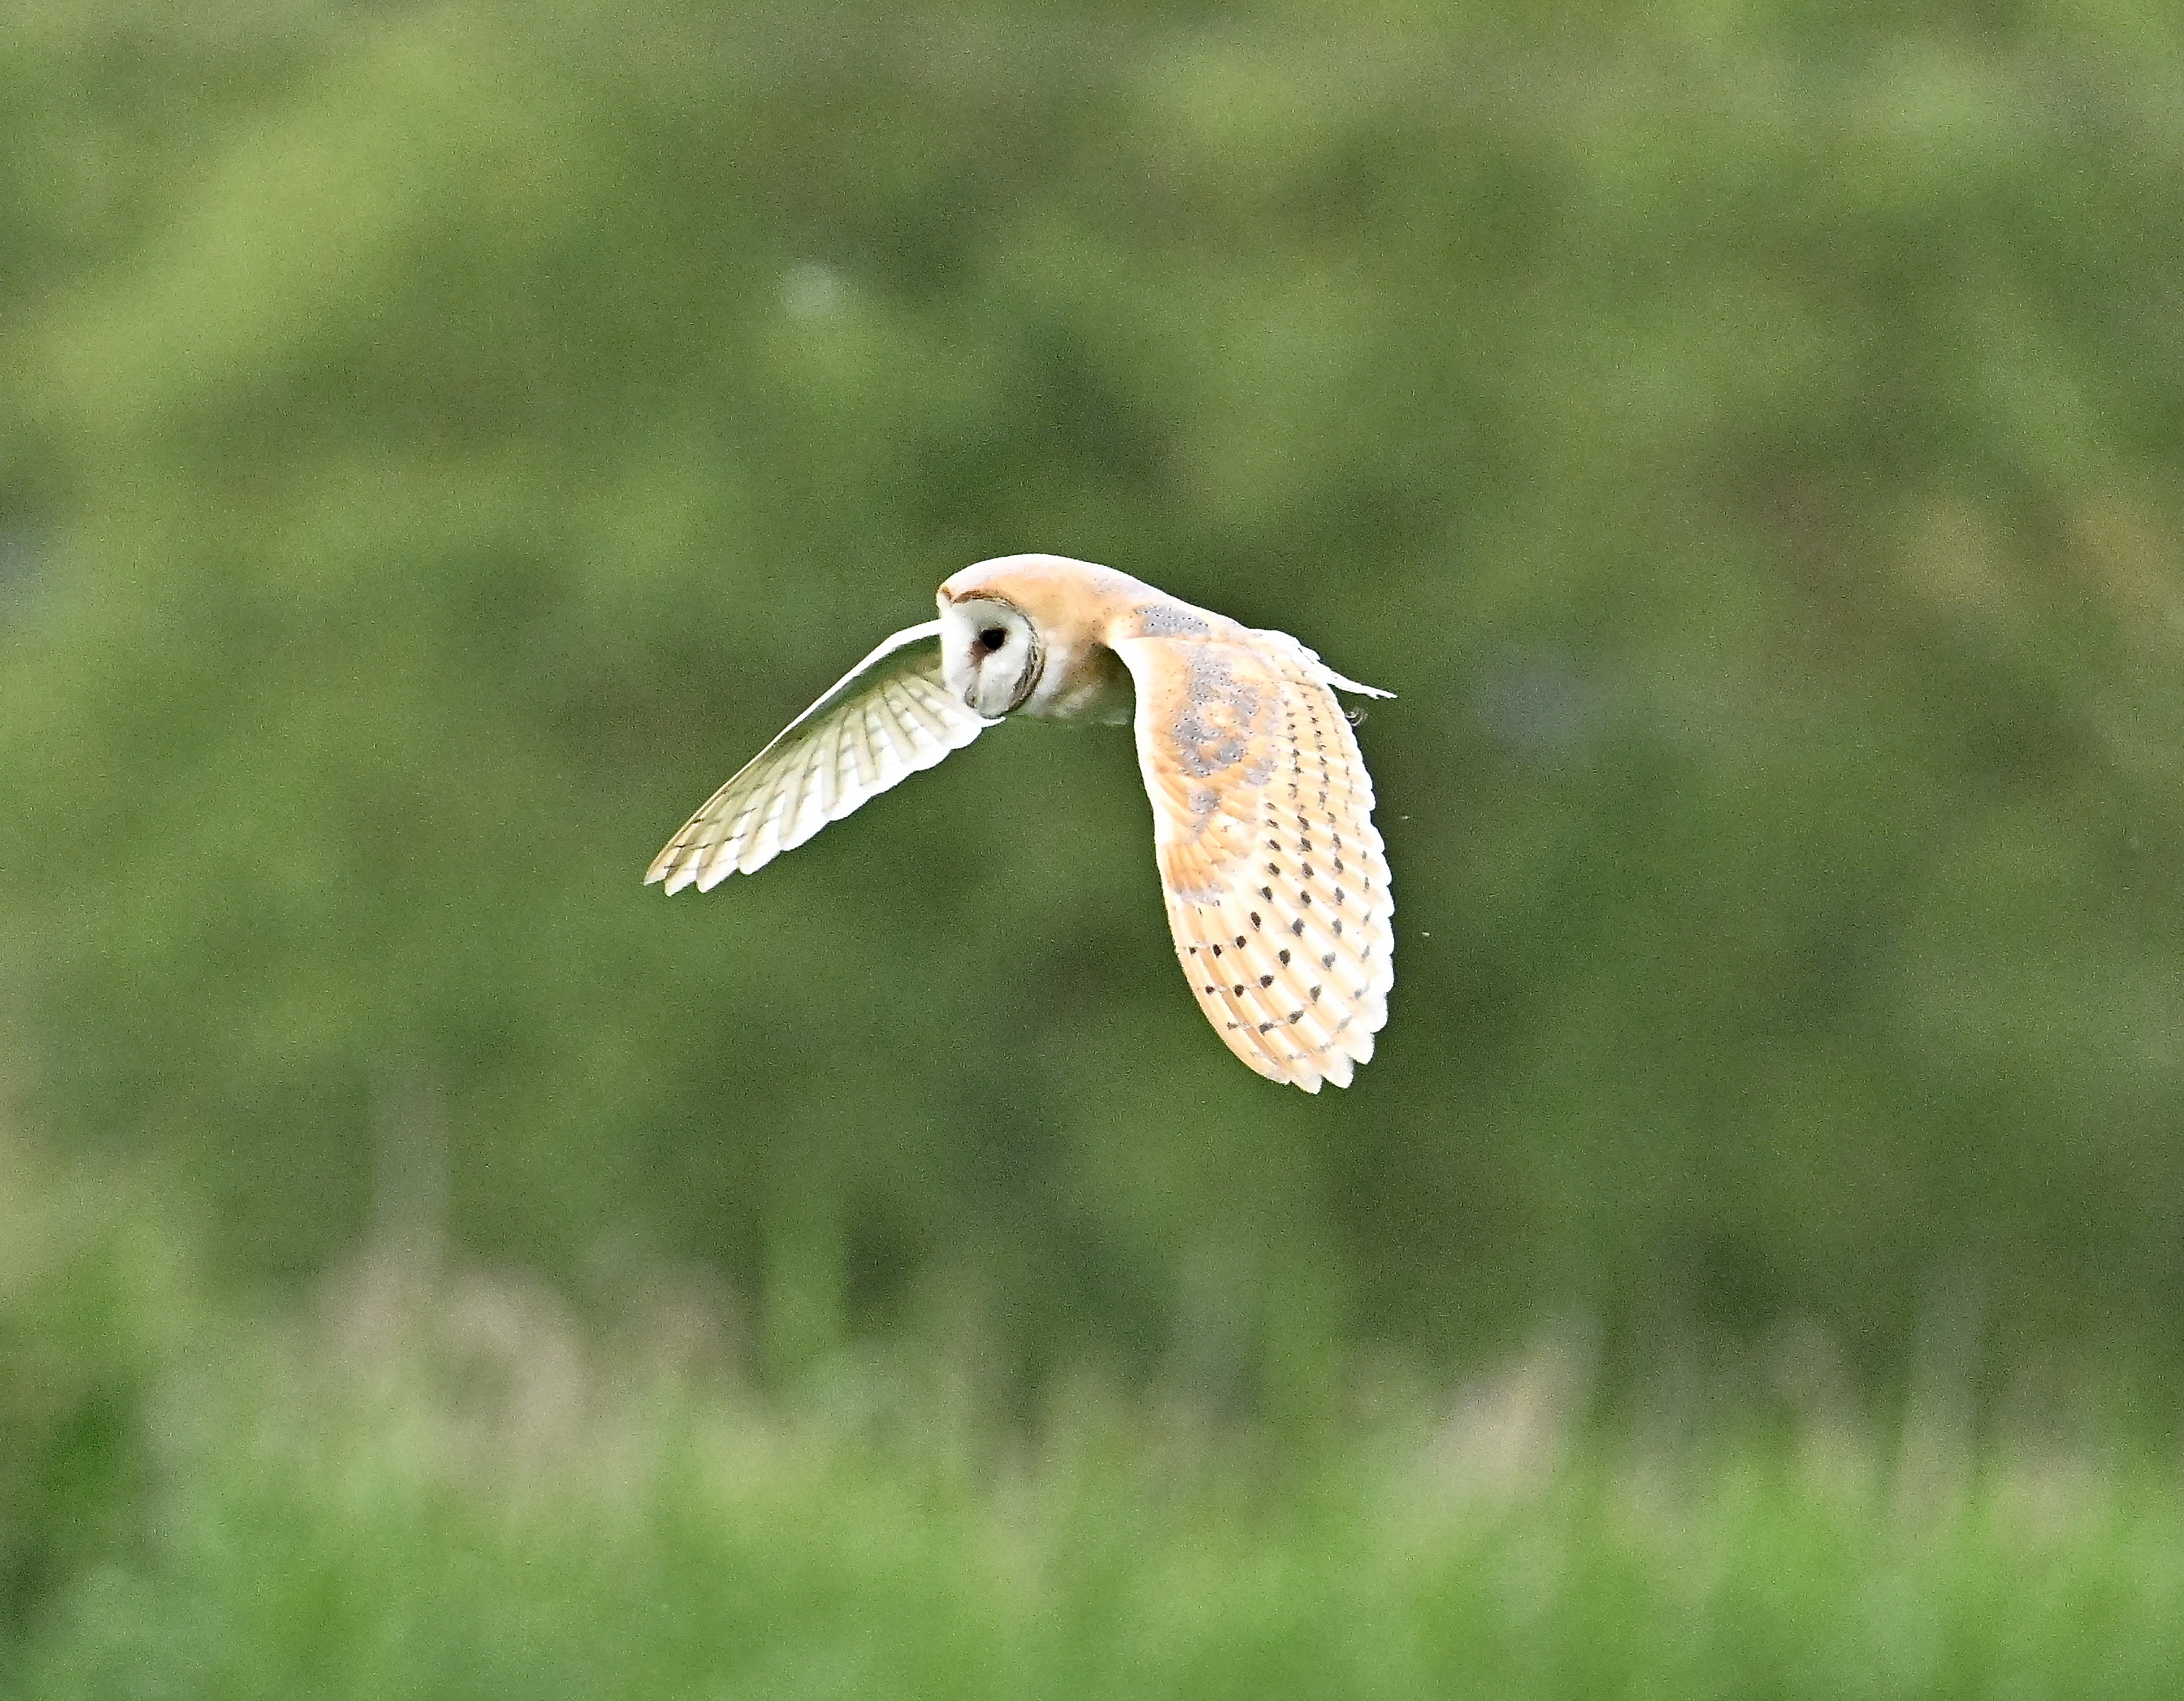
[1276,878]
[890,715]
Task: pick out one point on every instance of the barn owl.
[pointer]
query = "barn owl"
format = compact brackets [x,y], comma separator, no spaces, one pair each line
[1275,877]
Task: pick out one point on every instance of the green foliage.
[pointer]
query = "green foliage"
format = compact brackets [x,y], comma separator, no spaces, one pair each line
[442,1490]
[438,444]
[93,1308]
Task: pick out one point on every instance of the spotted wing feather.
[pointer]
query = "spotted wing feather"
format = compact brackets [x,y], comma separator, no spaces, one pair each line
[888,717]
[1276,879]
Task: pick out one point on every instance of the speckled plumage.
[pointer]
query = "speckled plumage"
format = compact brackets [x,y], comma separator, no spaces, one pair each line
[1275,878]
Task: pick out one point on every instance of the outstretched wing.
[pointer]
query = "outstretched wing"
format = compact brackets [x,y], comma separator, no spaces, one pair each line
[885,718]
[1276,879]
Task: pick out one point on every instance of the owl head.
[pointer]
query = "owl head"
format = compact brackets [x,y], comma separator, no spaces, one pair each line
[1025,634]
[990,653]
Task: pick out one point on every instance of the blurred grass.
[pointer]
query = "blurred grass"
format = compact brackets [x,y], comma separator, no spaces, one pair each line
[443,1487]
[96,1300]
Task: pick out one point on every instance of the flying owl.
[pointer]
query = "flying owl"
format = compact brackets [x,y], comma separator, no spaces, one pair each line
[1275,877]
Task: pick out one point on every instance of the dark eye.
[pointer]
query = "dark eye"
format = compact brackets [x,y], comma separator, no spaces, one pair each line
[993,637]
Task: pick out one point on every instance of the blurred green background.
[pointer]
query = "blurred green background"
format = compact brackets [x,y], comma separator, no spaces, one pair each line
[439,443]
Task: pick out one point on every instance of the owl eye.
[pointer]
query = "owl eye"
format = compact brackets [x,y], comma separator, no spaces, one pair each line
[993,637]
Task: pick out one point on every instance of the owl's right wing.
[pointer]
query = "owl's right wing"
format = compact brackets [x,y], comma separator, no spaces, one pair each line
[885,718]
[1275,876]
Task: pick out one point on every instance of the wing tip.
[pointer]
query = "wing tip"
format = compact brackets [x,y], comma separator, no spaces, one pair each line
[1352,686]
[678,867]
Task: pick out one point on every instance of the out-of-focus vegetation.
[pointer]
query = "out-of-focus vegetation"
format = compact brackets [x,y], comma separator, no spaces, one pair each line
[97,1305]
[438,443]
[440,1488]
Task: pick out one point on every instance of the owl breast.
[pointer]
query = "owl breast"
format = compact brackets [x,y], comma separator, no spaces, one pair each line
[1082,681]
